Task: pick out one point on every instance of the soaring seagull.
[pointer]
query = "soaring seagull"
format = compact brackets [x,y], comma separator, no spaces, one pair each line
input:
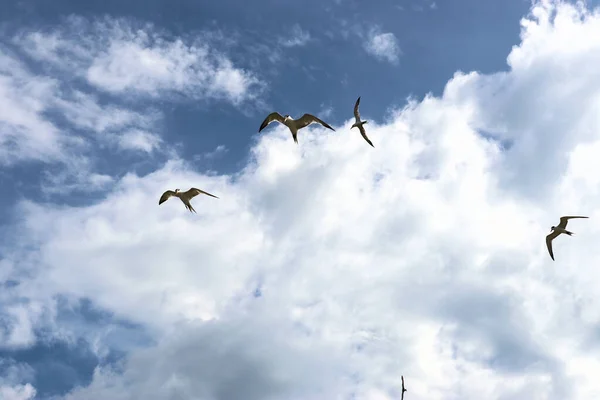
[557,230]
[185,197]
[359,124]
[403,390]
[293,124]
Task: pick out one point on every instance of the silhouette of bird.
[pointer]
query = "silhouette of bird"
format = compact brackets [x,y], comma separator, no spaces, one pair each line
[294,125]
[185,197]
[359,124]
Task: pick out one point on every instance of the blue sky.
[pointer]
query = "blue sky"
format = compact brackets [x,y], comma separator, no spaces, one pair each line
[327,72]
[325,269]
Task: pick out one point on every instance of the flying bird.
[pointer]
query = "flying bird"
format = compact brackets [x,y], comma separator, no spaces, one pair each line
[557,230]
[293,124]
[185,197]
[403,389]
[359,124]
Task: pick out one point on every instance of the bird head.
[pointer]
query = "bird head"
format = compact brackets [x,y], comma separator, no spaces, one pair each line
[176,190]
[552,228]
[286,117]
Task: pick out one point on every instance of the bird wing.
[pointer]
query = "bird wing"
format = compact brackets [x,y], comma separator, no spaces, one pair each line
[165,196]
[193,192]
[274,116]
[549,239]
[308,119]
[356,113]
[364,134]
[565,220]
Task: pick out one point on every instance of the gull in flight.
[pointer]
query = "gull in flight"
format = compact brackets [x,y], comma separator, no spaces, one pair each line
[557,230]
[359,124]
[293,124]
[403,390]
[185,197]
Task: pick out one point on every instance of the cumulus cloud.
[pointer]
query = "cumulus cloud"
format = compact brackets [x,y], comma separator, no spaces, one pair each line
[209,363]
[382,45]
[331,269]
[117,56]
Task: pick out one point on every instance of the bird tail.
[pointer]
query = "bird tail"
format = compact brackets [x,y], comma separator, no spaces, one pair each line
[295,138]
[569,233]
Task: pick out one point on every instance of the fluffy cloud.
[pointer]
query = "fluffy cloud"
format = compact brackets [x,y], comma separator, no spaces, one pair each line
[20,392]
[118,57]
[331,268]
[11,381]
[54,108]
[382,45]
[244,365]
[24,132]
[140,140]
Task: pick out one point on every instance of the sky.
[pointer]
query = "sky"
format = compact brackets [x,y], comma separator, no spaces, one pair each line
[325,269]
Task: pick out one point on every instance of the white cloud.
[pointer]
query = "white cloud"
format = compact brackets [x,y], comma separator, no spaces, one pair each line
[219,151]
[119,57]
[77,176]
[225,367]
[84,111]
[325,112]
[19,392]
[139,140]
[298,37]
[383,46]
[424,257]
[24,132]
[45,116]
[11,381]
[31,107]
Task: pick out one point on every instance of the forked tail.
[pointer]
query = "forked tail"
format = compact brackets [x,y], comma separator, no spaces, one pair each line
[569,233]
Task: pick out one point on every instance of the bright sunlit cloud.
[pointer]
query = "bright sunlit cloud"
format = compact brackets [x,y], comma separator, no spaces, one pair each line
[326,269]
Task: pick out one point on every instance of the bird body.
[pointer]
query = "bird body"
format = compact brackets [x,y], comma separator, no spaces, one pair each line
[557,230]
[293,124]
[185,197]
[359,124]
[403,389]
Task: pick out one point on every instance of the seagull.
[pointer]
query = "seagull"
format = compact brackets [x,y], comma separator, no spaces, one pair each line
[557,230]
[185,197]
[403,390]
[359,124]
[293,124]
